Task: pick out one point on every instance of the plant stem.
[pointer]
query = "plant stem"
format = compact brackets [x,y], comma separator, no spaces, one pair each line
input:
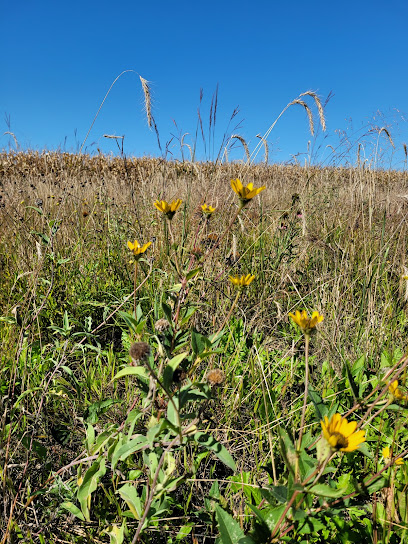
[302,421]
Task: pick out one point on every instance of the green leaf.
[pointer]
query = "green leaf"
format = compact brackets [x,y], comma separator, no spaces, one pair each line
[116,533]
[36,447]
[288,450]
[167,311]
[171,367]
[70,506]
[378,484]
[199,342]
[193,273]
[278,492]
[323,490]
[210,443]
[129,495]
[131,371]
[96,409]
[89,484]
[131,447]
[230,531]
[321,409]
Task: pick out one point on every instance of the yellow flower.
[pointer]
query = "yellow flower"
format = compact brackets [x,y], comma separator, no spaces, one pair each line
[137,248]
[245,193]
[242,281]
[386,454]
[168,209]
[342,435]
[207,210]
[396,392]
[305,322]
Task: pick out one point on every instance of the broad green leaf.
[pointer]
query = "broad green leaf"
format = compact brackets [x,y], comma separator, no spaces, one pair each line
[378,484]
[230,531]
[70,507]
[277,492]
[131,371]
[193,273]
[171,367]
[131,447]
[116,533]
[89,484]
[323,490]
[210,443]
[130,496]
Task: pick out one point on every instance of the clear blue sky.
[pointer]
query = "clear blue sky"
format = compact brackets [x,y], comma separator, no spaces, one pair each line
[59,59]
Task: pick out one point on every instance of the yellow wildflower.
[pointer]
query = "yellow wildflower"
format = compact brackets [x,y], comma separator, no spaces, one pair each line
[340,434]
[245,193]
[207,210]
[396,392]
[305,322]
[168,209]
[242,281]
[137,249]
[386,454]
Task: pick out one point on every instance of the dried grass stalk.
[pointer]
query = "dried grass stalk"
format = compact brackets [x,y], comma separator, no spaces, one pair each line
[318,106]
[265,144]
[244,144]
[383,129]
[147,100]
[308,111]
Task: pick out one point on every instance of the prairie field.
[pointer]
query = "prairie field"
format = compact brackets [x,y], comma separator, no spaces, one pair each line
[190,358]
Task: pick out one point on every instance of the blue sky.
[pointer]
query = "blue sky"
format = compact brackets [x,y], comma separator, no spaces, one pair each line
[59,59]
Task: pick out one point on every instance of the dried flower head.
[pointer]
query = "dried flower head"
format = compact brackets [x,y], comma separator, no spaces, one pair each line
[179,375]
[139,351]
[215,377]
[304,322]
[162,325]
[168,209]
[342,435]
[387,456]
[245,193]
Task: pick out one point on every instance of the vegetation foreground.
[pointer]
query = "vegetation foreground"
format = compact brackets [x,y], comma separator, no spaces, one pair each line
[201,353]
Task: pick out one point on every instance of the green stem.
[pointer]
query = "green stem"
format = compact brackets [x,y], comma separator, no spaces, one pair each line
[302,421]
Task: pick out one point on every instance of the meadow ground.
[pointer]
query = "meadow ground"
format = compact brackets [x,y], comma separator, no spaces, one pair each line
[211,426]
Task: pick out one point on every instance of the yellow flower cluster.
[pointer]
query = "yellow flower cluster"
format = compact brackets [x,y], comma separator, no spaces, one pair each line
[304,322]
[387,456]
[245,193]
[207,210]
[341,434]
[137,249]
[396,392]
[242,281]
[168,209]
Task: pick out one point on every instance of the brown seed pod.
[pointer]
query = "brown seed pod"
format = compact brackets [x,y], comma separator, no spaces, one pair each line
[215,377]
[162,325]
[139,351]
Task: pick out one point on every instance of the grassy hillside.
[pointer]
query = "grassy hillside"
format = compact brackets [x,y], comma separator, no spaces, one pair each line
[213,427]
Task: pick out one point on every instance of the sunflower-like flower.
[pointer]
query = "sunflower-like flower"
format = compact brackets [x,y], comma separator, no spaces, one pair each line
[207,210]
[340,434]
[387,456]
[242,281]
[137,249]
[245,193]
[306,323]
[168,209]
[396,392]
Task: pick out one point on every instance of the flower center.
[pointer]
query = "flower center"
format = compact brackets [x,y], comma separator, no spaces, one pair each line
[338,441]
